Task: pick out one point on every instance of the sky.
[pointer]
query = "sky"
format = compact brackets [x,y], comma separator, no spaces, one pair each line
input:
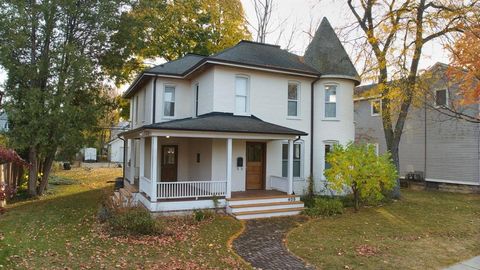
[300,14]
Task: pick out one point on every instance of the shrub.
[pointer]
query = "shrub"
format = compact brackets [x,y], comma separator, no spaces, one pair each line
[323,206]
[127,220]
[133,221]
[200,215]
[357,166]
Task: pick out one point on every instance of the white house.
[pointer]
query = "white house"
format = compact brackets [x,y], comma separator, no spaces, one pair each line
[241,129]
[116,144]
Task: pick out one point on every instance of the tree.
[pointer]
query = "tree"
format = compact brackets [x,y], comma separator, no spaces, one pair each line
[393,36]
[55,93]
[359,167]
[465,71]
[170,29]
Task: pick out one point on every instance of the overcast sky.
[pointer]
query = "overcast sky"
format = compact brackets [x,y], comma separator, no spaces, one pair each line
[303,13]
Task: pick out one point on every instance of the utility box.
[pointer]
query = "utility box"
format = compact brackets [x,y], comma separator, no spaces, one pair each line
[90,155]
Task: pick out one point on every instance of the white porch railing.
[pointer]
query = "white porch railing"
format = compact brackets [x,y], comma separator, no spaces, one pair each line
[191,189]
[279,183]
[145,185]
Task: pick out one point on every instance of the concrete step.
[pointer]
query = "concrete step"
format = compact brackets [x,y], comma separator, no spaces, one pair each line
[268,213]
[263,206]
[266,199]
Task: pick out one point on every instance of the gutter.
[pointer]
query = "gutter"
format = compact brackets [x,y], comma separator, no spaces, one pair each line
[312,105]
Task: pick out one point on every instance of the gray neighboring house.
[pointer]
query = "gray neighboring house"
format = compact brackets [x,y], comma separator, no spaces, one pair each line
[3,122]
[437,147]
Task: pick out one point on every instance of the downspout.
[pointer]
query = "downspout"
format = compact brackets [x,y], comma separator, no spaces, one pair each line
[154,100]
[425,137]
[312,103]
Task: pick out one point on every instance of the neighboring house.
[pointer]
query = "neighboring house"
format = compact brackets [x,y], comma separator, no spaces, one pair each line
[436,147]
[3,122]
[116,144]
[246,126]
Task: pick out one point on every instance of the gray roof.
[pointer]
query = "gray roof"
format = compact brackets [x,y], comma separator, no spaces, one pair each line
[264,55]
[326,53]
[225,122]
[177,67]
[363,89]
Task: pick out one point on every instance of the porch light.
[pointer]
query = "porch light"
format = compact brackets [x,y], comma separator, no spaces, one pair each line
[167,136]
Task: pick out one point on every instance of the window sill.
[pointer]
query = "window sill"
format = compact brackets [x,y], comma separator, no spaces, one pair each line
[242,114]
[294,118]
[331,119]
[374,114]
[168,117]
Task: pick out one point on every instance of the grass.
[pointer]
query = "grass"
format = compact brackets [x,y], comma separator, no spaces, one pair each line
[60,231]
[424,230]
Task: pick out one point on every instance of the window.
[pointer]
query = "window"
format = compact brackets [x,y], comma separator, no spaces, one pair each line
[376,107]
[328,148]
[136,108]
[330,101]
[196,99]
[376,147]
[293,98]
[297,160]
[169,101]
[241,95]
[441,97]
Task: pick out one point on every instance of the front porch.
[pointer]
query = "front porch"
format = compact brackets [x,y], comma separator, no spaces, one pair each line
[178,170]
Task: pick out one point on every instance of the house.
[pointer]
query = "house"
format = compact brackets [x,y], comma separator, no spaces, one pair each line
[3,122]
[242,129]
[444,151]
[116,144]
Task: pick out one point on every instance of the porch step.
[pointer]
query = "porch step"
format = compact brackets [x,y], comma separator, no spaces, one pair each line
[264,206]
[265,199]
[125,197]
[268,213]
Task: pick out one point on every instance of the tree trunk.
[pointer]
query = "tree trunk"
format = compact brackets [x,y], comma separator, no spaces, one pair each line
[47,167]
[3,201]
[32,171]
[356,198]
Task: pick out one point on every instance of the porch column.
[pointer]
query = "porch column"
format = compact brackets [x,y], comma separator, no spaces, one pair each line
[132,161]
[290,166]
[229,168]
[142,159]
[153,166]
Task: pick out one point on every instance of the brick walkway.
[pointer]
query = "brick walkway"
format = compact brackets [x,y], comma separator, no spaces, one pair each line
[261,244]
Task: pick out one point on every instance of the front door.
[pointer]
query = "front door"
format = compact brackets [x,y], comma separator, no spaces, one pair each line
[255,175]
[169,163]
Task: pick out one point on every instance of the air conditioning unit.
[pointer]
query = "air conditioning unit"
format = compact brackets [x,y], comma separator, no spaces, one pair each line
[415,176]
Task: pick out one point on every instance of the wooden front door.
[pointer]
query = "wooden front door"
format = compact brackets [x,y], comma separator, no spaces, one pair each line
[255,174]
[169,163]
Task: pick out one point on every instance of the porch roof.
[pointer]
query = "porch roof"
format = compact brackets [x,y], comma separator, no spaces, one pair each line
[225,122]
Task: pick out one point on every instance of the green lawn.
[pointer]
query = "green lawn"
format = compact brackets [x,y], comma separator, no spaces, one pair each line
[60,231]
[424,230]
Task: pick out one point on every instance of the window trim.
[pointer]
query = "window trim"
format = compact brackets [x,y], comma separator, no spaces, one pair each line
[247,97]
[377,147]
[325,117]
[298,100]
[302,158]
[446,105]
[165,85]
[371,107]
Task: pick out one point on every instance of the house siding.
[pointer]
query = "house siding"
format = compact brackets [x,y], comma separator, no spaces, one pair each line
[448,152]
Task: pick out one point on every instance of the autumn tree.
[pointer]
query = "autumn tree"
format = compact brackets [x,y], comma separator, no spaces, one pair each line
[55,90]
[358,167]
[393,35]
[168,30]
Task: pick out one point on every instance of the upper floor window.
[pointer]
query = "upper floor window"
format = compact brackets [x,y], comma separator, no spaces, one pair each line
[441,97]
[297,159]
[375,107]
[241,94]
[293,98]
[330,101]
[169,101]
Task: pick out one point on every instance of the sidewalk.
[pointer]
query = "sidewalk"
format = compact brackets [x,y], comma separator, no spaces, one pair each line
[472,264]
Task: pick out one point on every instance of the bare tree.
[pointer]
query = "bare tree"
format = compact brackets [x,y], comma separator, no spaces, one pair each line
[263,14]
[396,32]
